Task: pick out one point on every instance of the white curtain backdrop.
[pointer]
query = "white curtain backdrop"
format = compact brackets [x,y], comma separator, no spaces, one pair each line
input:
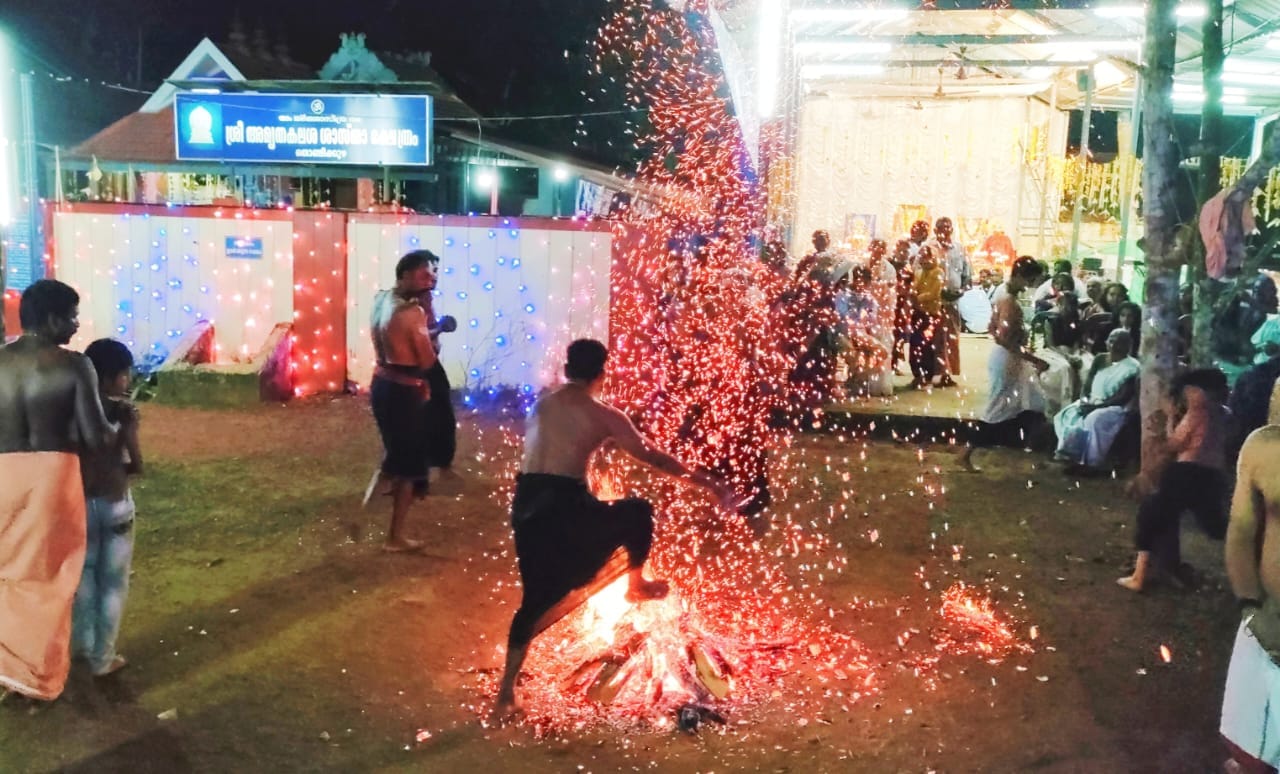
[979,161]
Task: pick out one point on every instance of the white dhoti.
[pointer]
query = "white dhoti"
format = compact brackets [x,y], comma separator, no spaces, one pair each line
[1087,438]
[1060,383]
[1251,703]
[1014,388]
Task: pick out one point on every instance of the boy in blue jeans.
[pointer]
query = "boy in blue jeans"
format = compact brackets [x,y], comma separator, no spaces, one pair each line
[104,584]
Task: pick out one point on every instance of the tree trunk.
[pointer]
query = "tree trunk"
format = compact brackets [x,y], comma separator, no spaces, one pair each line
[1160,215]
[1208,291]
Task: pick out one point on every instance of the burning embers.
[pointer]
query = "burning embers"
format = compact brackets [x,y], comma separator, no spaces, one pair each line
[677,662]
[973,627]
[653,658]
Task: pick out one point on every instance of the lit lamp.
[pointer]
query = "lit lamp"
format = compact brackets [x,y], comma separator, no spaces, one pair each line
[487,179]
[560,174]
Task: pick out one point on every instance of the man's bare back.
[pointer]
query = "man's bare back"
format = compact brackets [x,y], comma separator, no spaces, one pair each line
[48,400]
[566,427]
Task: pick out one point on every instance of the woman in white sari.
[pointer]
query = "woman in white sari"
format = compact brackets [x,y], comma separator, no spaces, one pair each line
[1087,428]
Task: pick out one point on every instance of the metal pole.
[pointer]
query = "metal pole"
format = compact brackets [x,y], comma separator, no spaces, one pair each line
[1126,183]
[1084,160]
[1045,178]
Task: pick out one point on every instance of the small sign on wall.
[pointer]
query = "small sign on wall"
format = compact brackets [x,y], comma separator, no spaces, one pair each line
[244,247]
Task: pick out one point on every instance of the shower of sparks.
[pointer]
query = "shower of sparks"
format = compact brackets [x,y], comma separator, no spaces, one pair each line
[705,342]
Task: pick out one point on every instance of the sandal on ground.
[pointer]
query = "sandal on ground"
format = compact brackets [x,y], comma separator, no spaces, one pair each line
[117,663]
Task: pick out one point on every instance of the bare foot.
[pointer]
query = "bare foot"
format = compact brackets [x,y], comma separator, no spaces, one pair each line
[1131,583]
[647,590]
[117,663]
[402,546]
[505,710]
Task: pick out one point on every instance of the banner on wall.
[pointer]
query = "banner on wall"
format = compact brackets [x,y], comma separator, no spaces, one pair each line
[355,129]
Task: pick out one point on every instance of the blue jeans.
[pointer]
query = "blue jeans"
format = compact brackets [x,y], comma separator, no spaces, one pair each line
[104,584]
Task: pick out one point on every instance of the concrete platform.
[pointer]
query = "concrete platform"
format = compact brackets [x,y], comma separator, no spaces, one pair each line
[924,416]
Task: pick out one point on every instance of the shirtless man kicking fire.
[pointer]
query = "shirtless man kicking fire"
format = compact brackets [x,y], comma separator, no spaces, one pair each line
[564,535]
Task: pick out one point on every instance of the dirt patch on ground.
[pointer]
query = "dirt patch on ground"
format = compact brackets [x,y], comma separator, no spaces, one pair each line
[266,632]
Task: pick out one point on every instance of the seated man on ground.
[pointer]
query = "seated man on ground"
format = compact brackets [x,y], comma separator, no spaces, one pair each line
[1087,428]
[1196,481]
[563,534]
[1093,288]
[1054,285]
[975,305]
[1059,284]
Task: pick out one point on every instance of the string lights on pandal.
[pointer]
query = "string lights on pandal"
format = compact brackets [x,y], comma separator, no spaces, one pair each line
[702,349]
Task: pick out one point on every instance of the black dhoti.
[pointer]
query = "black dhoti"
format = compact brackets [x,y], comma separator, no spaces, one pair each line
[564,536]
[399,408]
[439,426]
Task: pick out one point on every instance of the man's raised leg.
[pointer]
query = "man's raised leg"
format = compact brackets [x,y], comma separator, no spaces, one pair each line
[634,518]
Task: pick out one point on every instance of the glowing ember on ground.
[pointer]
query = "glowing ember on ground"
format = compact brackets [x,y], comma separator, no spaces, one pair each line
[975,627]
[1166,655]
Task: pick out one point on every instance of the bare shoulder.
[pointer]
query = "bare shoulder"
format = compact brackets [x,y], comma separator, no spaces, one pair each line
[609,419]
[409,311]
[1260,455]
[1262,441]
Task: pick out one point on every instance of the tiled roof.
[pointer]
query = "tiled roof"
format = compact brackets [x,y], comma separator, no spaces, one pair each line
[138,137]
[260,64]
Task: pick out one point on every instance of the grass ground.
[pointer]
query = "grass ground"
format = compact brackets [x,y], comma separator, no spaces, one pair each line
[266,632]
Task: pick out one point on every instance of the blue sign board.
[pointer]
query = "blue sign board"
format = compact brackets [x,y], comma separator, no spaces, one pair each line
[23,262]
[354,129]
[244,247]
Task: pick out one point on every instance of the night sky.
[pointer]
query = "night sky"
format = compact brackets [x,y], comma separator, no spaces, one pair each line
[505,57]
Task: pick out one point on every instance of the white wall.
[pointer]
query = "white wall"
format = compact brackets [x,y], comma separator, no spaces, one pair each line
[145,279]
[520,294]
[962,158]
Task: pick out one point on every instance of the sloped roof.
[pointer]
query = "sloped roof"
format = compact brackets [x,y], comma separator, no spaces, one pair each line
[144,138]
[261,64]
